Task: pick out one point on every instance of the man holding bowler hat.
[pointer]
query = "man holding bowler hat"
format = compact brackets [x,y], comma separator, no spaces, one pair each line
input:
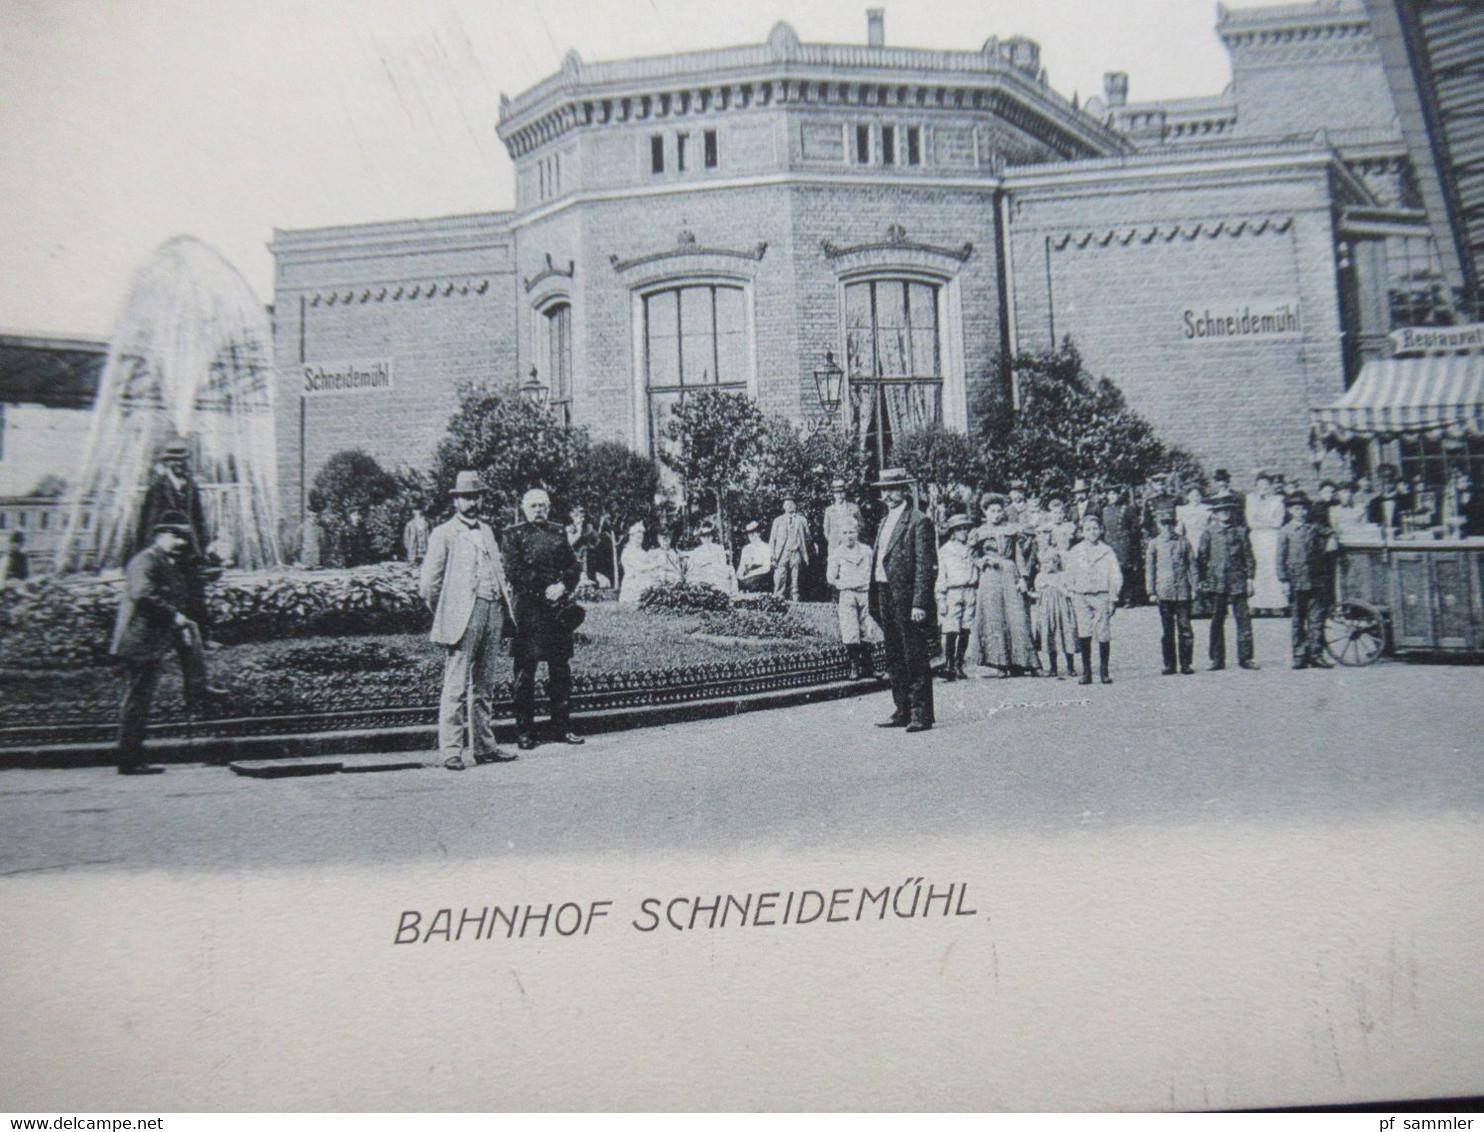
[543,573]
[903,575]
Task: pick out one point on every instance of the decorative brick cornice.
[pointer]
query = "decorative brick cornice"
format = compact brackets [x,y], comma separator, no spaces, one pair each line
[1149,233]
[686,245]
[896,241]
[550,271]
[395,293]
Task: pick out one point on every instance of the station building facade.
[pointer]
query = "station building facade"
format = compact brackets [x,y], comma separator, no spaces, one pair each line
[728,218]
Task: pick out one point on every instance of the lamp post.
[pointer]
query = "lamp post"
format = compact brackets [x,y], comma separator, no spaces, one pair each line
[533,392]
[828,382]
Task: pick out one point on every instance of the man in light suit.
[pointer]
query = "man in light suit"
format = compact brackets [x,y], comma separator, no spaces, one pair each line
[789,545]
[463,583]
[903,575]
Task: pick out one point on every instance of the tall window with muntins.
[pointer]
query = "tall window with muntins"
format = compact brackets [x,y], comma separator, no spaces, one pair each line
[863,145]
[888,145]
[893,359]
[914,145]
[711,155]
[657,153]
[680,146]
[695,338]
[556,358]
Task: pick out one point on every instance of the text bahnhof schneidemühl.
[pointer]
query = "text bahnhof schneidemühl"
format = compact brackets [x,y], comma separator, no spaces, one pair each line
[915,898]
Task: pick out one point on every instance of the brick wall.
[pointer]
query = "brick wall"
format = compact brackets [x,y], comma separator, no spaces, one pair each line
[1116,268]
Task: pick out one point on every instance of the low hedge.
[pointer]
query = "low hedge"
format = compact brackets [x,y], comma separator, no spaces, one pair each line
[683,599]
[754,624]
[69,623]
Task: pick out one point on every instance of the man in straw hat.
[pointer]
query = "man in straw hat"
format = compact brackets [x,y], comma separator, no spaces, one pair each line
[543,573]
[902,601]
[463,583]
[154,619]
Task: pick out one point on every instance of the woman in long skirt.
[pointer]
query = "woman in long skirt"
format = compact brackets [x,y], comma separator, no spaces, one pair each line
[1002,622]
[1054,623]
[1265,512]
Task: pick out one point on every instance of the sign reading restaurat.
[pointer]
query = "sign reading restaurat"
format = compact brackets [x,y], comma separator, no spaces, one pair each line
[1242,320]
[1438,339]
[324,378]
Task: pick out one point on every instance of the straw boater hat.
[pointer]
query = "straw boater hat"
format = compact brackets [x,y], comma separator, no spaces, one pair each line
[837,485]
[1300,498]
[1226,503]
[175,450]
[894,477]
[957,521]
[993,497]
[468,483]
[752,526]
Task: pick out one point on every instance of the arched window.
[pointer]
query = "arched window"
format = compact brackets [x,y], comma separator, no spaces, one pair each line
[893,358]
[555,358]
[695,338]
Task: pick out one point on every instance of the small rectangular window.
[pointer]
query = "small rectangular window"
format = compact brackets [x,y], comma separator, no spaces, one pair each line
[680,140]
[710,140]
[888,145]
[863,145]
[657,153]
[914,146]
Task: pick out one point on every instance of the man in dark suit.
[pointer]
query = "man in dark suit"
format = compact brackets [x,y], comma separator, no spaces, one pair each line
[153,619]
[902,600]
[542,572]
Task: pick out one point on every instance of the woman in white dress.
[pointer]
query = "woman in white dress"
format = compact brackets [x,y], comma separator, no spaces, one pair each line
[1265,514]
[707,564]
[1191,518]
[1054,624]
[634,561]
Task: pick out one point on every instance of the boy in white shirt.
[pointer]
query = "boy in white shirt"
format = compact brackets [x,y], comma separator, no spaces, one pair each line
[1093,577]
[849,571]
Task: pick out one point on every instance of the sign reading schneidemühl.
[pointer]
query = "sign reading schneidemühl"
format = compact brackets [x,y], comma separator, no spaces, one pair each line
[1241,320]
[325,378]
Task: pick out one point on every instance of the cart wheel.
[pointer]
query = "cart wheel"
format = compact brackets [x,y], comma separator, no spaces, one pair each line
[1355,634]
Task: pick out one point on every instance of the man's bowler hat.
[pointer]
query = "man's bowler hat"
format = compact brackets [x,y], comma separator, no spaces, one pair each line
[174,522]
[468,483]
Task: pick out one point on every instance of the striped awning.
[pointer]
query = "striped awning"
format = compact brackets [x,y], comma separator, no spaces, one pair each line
[1434,396]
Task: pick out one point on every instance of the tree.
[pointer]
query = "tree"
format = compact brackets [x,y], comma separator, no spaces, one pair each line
[715,439]
[793,465]
[351,486]
[617,488]
[514,446]
[946,462]
[1070,425]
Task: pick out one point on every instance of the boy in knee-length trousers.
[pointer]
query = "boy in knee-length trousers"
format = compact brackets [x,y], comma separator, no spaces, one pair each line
[1093,579]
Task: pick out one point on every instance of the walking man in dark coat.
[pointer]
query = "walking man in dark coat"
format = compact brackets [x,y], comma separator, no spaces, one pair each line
[543,573]
[1306,551]
[154,619]
[903,575]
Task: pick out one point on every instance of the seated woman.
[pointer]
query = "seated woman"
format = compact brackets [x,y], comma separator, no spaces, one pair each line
[634,561]
[707,564]
[666,566]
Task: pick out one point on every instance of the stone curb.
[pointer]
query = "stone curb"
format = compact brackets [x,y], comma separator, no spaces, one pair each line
[221,751]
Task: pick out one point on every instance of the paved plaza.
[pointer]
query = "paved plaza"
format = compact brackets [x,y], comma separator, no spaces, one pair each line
[1039,755]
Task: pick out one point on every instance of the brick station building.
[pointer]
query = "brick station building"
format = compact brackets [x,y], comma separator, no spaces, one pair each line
[725,218]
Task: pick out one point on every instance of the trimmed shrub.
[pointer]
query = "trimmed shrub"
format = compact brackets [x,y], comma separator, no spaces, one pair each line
[683,599]
[52,624]
[761,603]
[747,623]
